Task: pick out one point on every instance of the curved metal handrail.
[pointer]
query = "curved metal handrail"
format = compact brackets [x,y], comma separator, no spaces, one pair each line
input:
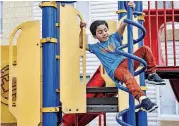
[119,50]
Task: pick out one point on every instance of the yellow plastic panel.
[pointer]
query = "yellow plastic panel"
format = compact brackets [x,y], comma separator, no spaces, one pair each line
[27,73]
[6,116]
[72,91]
[108,81]
[112,26]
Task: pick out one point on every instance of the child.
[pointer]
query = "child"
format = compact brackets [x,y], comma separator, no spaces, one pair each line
[116,65]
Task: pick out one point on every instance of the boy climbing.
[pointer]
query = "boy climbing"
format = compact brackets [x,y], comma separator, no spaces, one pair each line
[116,65]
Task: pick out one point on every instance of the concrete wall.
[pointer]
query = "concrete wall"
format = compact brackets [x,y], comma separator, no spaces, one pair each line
[14,13]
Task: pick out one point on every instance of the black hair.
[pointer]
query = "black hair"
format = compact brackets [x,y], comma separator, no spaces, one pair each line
[95,24]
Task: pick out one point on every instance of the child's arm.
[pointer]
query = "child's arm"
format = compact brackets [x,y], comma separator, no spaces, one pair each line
[80,35]
[121,28]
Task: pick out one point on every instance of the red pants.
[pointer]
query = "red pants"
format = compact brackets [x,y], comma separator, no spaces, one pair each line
[122,73]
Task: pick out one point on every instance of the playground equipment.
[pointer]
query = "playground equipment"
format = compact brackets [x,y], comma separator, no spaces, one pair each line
[43,100]
[23,89]
[153,21]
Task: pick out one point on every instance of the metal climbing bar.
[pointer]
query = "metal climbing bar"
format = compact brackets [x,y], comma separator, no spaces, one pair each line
[157,25]
[130,113]
[149,25]
[140,27]
[121,9]
[165,33]
[130,66]
[173,34]
[131,56]
[122,113]
[49,95]
[141,115]
[59,115]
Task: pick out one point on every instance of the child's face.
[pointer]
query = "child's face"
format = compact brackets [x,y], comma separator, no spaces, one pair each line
[102,33]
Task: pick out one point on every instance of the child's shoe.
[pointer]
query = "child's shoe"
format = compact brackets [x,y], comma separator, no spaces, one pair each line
[147,104]
[155,79]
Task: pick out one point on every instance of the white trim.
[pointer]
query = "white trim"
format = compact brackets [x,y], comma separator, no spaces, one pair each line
[158,103]
[158,100]
[168,118]
[177,109]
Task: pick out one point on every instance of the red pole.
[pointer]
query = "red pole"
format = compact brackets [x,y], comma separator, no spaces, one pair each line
[76,120]
[104,115]
[156,6]
[173,33]
[100,119]
[165,33]
[149,24]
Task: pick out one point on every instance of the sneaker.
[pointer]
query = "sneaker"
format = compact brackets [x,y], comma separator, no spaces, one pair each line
[147,104]
[155,79]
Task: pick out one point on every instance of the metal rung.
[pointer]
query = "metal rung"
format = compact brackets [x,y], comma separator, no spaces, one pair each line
[57,25]
[102,108]
[48,4]
[121,11]
[57,57]
[102,90]
[48,39]
[102,101]
[50,109]
[144,88]
[58,90]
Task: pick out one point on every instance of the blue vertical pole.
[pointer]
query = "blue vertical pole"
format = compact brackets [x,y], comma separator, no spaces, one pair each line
[121,7]
[131,113]
[121,15]
[49,65]
[58,62]
[142,115]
